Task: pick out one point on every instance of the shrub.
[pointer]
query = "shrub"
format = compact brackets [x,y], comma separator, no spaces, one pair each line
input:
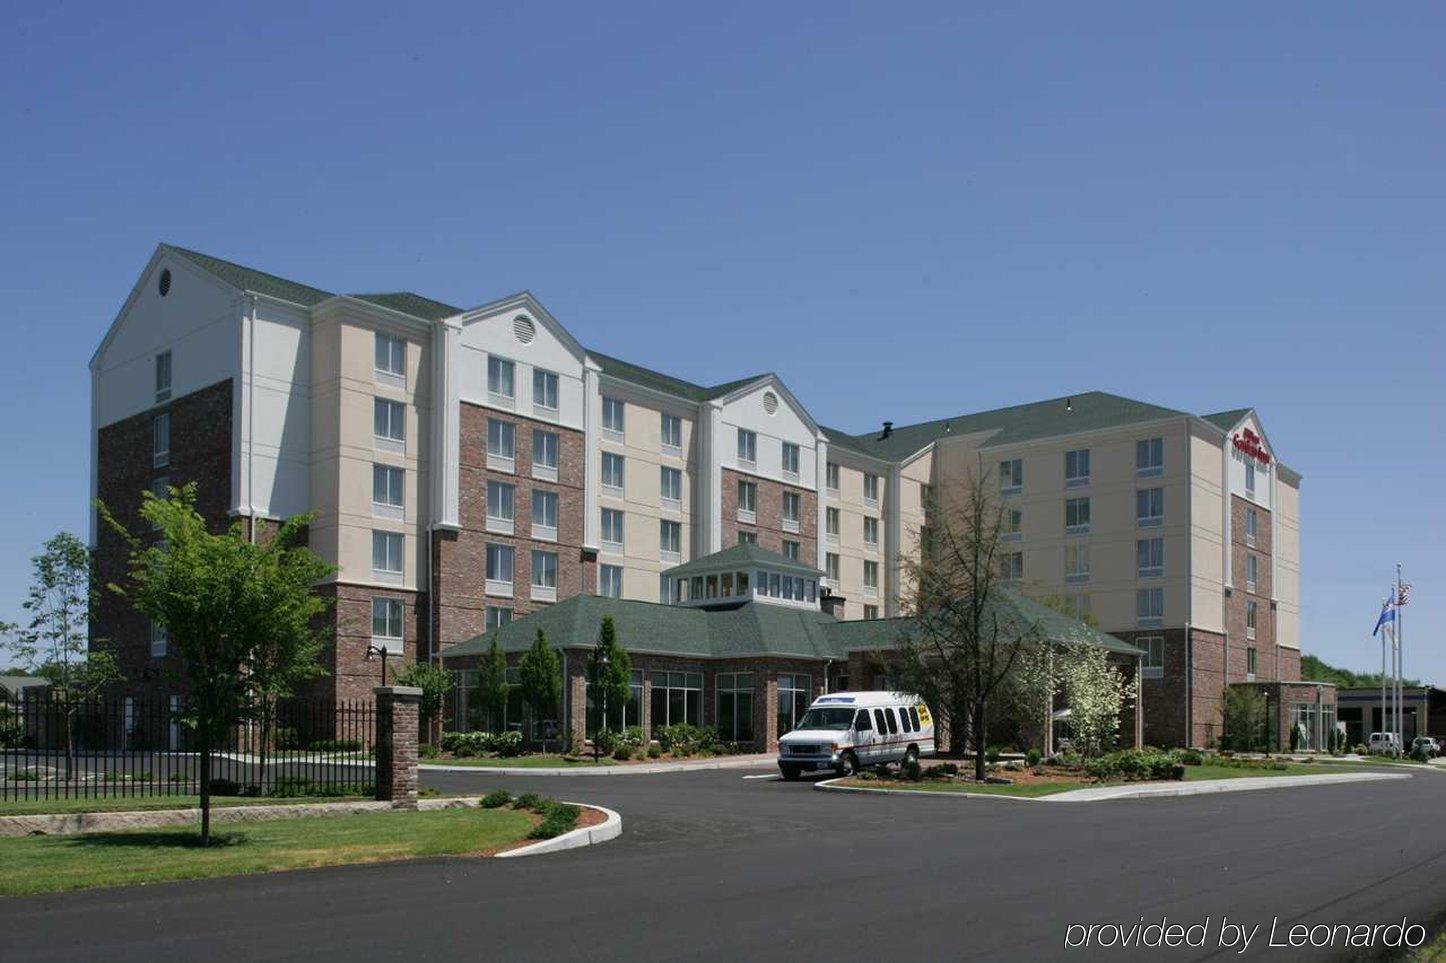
[532,801]
[623,752]
[507,744]
[559,818]
[1360,750]
[654,750]
[687,740]
[12,734]
[991,753]
[1132,765]
[336,745]
[1191,757]
[1033,757]
[943,769]
[427,752]
[1421,752]
[909,769]
[496,799]
[633,736]
[25,775]
[606,741]
[288,738]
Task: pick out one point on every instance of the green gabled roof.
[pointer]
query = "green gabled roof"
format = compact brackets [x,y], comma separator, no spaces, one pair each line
[250,279]
[414,304]
[1225,420]
[667,384]
[742,557]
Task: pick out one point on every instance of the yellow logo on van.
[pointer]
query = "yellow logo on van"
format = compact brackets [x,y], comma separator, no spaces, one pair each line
[924,715]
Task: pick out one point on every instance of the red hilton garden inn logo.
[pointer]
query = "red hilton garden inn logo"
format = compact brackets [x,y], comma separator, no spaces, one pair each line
[1248,443]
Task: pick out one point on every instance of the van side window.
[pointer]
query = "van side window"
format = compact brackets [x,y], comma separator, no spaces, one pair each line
[914,718]
[861,723]
[890,721]
[879,723]
[904,719]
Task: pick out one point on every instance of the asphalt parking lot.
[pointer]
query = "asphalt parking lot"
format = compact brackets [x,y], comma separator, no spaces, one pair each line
[712,865]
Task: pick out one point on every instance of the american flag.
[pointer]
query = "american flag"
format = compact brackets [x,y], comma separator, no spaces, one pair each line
[1403,593]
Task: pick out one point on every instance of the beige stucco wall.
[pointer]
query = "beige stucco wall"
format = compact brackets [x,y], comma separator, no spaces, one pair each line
[1207,531]
[1286,545]
[852,552]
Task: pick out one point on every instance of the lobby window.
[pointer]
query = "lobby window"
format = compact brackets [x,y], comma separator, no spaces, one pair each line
[830,566]
[163,376]
[497,616]
[544,515]
[790,459]
[544,575]
[1150,507]
[1252,569]
[830,474]
[831,525]
[501,378]
[613,417]
[747,447]
[501,445]
[1076,563]
[1250,527]
[160,638]
[1150,606]
[747,501]
[619,717]
[670,540]
[500,515]
[1153,664]
[1252,616]
[612,529]
[747,538]
[389,363]
[161,440]
[499,569]
[871,611]
[1076,516]
[544,390]
[670,486]
[672,432]
[871,578]
[735,706]
[871,490]
[612,472]
[871,532]
[1149,457]
[1011,525]
[1251,663]
[1077,468]
[1011,566]
[793,699]
[791,549]
[544,454]
[1011,475]
[387,624]
[677,698]
[387,491]
[387,553]
[1149,557]
[791,508]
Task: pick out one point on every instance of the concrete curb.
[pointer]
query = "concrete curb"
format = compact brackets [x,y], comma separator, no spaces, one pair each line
[642,769]
[610,828]
[1142,791]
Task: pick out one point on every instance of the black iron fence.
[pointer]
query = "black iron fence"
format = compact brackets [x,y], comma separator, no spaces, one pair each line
[54,747]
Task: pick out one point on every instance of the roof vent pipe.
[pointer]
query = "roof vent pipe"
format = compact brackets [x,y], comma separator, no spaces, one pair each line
[1069,404]
[888,430]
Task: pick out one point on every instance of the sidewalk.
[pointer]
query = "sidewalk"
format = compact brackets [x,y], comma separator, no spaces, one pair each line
[753,761]
[1205,786]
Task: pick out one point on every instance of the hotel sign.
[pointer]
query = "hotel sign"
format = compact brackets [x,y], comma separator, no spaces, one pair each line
[1249,444]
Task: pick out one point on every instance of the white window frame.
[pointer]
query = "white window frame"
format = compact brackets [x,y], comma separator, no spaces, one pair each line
[544,384]
[1149,457]
[388,611]
[1251,526]
[831,567]
[670,527]
[1011,476]
[832,523]
[790,522]
[1145,547]
[792,549]
[1077,468]
[496,616]
[540,441]
[541,528]
[1152,666]
[1012,525]
[1081,510]
[830,474]
[871,533]
[610,544]
[393,501]
[749,514]
[871,579]
[501,517]
[670,429]
[164,375]
[387,368]
[1252,571]
[1249,476]
[790,460]
[494,584]
[542,589]
[504,458]
[613,474]
[389,539]
[1147,613]
[747,448]
[1077,563]
[501,381]
[161,440]
[393,436]
[614,418]
[160,639]
[1151,495]
[747,538]
[1011,566]
[1252,663]
[871,612]
[1252,618]
[610,574]
[871,490]
[670,477]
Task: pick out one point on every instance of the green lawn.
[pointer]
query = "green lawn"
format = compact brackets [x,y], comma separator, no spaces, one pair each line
[1207,771]
[538,761]
[39,864]
[1035,790]
[109,804]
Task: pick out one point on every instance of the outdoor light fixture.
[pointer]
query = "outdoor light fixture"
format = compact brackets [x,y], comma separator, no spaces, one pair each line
[381,650]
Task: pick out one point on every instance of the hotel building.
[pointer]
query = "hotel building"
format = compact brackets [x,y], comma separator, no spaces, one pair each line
[467,466]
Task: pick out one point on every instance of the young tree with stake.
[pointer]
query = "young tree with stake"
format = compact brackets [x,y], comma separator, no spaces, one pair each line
[608,671]
[541,675]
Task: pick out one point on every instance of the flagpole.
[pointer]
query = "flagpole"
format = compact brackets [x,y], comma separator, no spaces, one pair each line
[1400,661]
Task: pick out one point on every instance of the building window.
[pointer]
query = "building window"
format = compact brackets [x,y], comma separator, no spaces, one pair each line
[1076,563]
[735,706]
[390,359]
[501,445]
[1149,557]
[160,638]
[1011,475]
[1011,522]
[791,508]
[499,569]
[672,434]
[670,540]
[612,472]
[389,424]
[1011,566]
[1150,507]
[794,695]
[163,376]
[670,487]
[632,710]
[871,490]
[500,516]
[747,501]
[830,474]
[612,529]
[1250,477]
[610,581]
[790,549]
[1251,663]
[1252,569]
[831,567]
[387,624]
[1150,606]
[387,553]
[1076,516]
[1077,468]
[544,454]
[613,416]
[871,578]
[747,447]
[1153,664]
[1250,527]
[871,611]
[544,390]
[1149,457]
[387,491]
[544,575]
[790,459]
[871,532]
[1079,605]
[677,698]
[161,440]
[501,377]
[497,616]
[747,538]
[544,515]
[1252,614]
[831,525]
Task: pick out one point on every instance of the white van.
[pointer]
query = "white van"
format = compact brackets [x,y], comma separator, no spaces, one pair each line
[1384,744]
[846,731]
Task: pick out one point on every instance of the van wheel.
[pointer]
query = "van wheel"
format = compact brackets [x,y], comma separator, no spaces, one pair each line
[790,772]
[848,765]
[911,755]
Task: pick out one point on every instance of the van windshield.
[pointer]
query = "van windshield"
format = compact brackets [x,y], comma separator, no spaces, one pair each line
[836,718]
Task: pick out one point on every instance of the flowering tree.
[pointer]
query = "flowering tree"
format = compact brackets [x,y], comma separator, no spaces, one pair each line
[1097,693]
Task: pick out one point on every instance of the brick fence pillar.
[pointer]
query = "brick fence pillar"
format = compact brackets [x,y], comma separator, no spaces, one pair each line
[396,746]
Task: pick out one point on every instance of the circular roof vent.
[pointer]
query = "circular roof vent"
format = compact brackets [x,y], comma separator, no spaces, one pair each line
[770,402]
[524,329]
[164,285]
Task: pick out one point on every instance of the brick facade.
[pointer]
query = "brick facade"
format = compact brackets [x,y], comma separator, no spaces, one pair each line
[396,744]
[769,514]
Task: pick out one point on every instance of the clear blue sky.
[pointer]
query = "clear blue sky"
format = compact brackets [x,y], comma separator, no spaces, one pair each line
[1200,206]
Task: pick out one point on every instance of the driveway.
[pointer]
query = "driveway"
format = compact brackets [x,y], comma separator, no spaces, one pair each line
[712,865]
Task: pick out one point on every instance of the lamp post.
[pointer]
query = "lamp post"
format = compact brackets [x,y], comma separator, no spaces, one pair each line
[381,650]
[603,721]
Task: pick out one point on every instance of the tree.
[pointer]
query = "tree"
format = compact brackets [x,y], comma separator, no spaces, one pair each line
[608,672]
[238,614]
[541,675]
[56,643]
[1097,692]
[964,637]
[1243,718]
[435,682]
[491,685]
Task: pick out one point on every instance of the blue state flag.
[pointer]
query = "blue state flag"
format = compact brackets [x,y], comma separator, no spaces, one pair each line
[1388,614]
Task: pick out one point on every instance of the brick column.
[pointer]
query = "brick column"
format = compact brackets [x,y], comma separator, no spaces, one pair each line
[770,713]
[396,745]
